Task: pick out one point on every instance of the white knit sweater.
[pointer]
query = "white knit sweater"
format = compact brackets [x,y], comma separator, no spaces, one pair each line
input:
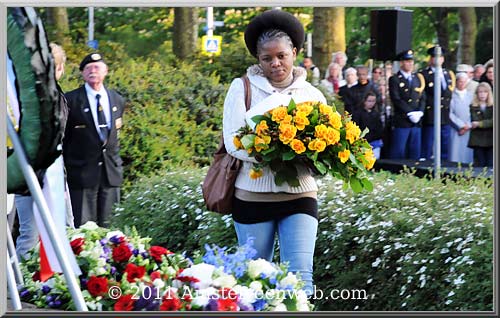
[234,119]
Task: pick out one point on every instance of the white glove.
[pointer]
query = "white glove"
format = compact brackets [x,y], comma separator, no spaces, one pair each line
[415,116]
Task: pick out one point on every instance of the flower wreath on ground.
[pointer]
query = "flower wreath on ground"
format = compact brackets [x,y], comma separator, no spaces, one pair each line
[124,273]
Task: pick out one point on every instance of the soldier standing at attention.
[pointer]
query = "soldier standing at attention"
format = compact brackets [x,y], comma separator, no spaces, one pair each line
[406,89]
[447,84]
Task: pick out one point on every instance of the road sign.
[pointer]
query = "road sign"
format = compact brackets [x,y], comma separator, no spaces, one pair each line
[211,44]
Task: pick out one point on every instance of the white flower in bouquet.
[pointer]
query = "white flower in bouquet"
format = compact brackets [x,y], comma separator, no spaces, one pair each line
[159,283]
[225,281]
[89,226]
[289,282]
[256,286]
[246,295]
[280,307]
[117,234]
[259,267]
[203,272]
[203,296]
[274,297]
[302,302]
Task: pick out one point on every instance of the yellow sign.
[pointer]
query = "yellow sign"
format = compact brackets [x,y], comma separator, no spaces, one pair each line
[211,44]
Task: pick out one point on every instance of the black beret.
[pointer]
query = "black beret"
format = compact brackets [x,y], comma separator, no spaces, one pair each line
[91,58]
[274,19]
[432,51]
[405,55]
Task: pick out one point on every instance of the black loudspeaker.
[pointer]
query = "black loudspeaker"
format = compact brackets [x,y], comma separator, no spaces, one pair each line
[391,33]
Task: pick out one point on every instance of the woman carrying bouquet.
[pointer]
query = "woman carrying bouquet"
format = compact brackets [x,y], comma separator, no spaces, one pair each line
[261,208]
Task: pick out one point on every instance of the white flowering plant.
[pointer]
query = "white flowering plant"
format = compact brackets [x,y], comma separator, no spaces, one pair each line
[125,273]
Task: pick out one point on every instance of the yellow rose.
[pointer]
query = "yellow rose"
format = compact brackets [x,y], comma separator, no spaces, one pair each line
[260,144]
[287,119]
[332,136]
[320,131]
[344,155]
[306,108]
[298,146]
[279,113]
[301,120]
[287,133]
[352,131]
[261,128]
[325,109]
[255,174]
[317,145]
[335,120]
[370,157]
[237,142]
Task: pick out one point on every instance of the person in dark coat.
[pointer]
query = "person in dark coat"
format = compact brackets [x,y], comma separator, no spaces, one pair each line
[91,147]
[481,135]
[367,116]
[406,89]
[447,85]
[364,86]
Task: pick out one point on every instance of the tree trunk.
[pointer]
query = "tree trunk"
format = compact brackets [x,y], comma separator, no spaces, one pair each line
[444,36]
[329,34]
[185,32]
[58,18]
[468,34]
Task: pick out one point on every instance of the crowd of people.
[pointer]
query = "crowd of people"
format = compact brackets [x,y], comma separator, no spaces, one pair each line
[398,107]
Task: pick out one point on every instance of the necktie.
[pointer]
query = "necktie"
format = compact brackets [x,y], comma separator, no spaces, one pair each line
[103,127]
[409,80]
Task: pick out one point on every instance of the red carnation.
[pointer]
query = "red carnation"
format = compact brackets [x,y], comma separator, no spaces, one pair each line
[133,271]
[122,253]
[154,275]
[77,245]
[36,276]
[226,304]
[97,286]
[170,302]
[157,251]
[125,303]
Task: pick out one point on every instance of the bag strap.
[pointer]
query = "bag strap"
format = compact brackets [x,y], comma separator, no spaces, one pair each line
[248,92]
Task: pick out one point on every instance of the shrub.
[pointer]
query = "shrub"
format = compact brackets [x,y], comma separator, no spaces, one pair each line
[412,244]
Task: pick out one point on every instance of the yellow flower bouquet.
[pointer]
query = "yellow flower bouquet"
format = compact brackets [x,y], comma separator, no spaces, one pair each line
[310,133]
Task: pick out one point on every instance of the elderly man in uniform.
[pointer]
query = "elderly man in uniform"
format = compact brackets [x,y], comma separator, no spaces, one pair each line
[447,85]
[91,147]
[406,89]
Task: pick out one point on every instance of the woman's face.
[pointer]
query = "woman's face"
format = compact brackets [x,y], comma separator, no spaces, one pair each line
[482,94]
[461,83]
[276,59]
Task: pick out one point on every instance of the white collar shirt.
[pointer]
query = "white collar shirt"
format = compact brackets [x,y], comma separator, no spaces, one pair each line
[104,101]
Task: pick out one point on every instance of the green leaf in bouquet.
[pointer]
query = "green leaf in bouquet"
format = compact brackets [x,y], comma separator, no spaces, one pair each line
[314,117]
[321,167]
[356,186]
[288,155]
[291,304]
[364,132]
[258,118]
[367,184]
[248,141]
[279,178]
[291,106]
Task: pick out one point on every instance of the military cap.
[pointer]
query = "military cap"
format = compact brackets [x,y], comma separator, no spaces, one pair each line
[91,58]
[432,51]
[274,19]
[405,55]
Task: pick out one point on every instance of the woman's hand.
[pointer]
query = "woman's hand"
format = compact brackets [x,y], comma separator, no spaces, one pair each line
[475,124]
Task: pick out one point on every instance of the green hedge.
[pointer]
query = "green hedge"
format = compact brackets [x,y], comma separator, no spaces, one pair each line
[411,244]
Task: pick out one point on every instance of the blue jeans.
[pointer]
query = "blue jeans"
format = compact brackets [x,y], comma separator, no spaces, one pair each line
[406,143]
[297,238]
[28,232]
[428,141]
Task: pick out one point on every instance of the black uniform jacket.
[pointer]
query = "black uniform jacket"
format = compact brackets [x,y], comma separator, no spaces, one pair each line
[406,98]
[446,94]
[84,152]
